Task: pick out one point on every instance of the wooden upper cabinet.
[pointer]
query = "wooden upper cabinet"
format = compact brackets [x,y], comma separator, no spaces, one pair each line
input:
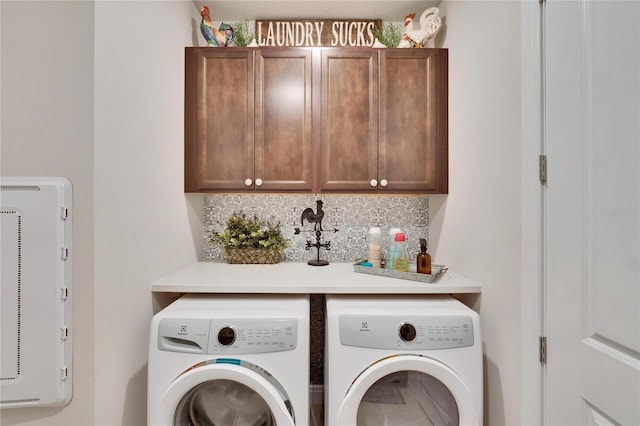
[330,120]
[413,145]
[384,121]
[247,120]
[283,148]
[349,120]
[219,116]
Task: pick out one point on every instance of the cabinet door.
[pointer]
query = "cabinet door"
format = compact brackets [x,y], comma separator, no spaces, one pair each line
[349,120]
[414,120]
[283,149]
[219,115]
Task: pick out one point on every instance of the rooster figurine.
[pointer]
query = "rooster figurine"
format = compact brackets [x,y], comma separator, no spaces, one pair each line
[223,37]
[430,23]
[315,218]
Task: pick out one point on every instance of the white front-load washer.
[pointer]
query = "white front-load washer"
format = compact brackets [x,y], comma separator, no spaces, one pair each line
[230,360]
[402,360]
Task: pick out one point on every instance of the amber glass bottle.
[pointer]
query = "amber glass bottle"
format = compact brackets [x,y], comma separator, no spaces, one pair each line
[423,261]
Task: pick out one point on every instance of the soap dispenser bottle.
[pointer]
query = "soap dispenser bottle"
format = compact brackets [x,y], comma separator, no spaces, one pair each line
[423,261]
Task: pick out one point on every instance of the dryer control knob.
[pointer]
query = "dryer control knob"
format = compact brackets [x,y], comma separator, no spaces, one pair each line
[226,336]
[407,332]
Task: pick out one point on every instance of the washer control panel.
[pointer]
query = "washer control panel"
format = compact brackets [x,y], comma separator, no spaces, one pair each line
[227,336]
[409,333]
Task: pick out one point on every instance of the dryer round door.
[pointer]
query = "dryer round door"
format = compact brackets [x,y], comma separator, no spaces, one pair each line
[223,392]
[408,389]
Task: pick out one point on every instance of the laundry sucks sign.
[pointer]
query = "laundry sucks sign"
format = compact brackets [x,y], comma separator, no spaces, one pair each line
[317,32]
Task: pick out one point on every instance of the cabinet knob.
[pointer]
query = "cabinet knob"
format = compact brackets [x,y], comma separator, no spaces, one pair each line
[248,182]
[373,183]
[384,183]
[258,182]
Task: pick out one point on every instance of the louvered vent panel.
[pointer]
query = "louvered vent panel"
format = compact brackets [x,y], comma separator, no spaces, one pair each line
[35,228]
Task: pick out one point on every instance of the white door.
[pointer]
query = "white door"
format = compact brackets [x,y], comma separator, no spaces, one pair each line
[592,214]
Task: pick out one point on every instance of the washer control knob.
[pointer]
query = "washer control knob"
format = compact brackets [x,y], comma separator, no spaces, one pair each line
[407,332]
[226,336]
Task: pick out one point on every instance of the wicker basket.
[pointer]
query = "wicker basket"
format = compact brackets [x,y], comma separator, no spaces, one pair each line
[251,255]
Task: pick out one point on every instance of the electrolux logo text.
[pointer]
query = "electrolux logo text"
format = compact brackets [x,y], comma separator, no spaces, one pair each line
[619,213]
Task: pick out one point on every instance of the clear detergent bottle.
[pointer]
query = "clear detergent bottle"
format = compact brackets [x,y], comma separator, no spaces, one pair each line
[392,234]
[400,257]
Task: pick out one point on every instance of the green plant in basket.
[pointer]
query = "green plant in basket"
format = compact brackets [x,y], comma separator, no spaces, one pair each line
[251,233]
[390,34]
[244,35]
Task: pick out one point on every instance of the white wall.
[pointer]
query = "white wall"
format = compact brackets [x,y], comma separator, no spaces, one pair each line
[475,230]
[47,130]
[142,221]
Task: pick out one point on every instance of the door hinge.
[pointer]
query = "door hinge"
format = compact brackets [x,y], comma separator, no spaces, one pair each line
[542,169]
[543,350]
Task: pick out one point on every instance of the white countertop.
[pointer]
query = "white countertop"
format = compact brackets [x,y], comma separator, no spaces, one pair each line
[298,277]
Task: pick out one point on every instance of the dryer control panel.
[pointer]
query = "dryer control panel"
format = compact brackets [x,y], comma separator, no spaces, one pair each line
[227,336]
[406,332]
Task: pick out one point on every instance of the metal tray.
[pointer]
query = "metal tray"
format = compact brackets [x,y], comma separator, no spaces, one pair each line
[436,270]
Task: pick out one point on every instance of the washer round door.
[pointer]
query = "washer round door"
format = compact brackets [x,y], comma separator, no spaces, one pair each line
[408,390]
[224,392]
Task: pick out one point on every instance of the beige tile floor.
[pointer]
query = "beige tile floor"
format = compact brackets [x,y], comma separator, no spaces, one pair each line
[316,401]
[317,415]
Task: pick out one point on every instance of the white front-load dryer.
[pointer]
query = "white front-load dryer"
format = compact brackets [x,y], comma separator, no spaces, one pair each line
[230,360]
[402,360]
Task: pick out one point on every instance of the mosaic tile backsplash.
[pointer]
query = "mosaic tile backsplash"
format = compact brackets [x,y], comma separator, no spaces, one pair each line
[352,216]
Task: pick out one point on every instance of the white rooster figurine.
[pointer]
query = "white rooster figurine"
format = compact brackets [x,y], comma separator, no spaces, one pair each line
[430,24]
